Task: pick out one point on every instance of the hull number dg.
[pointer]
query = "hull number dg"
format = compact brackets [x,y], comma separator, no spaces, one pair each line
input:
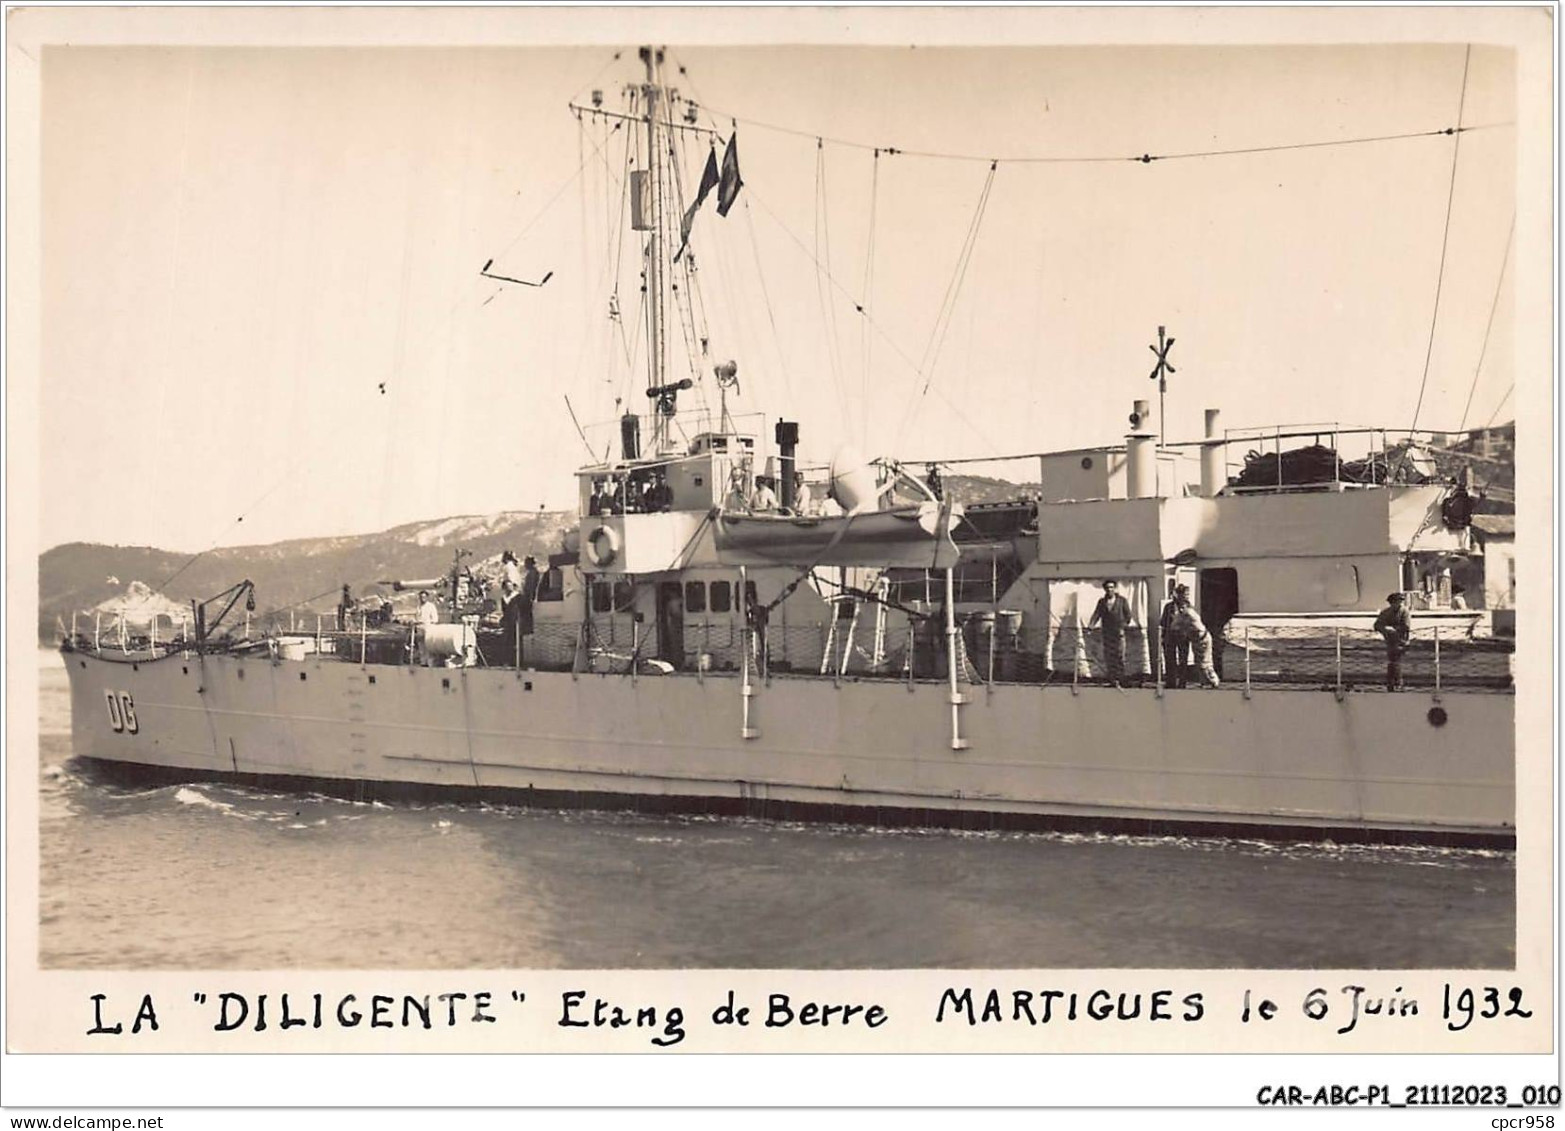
[122,712]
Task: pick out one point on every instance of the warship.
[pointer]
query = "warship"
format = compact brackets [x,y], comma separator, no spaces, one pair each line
[733,628]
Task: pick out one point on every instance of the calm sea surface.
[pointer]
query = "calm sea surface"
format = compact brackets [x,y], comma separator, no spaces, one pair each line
[210,876]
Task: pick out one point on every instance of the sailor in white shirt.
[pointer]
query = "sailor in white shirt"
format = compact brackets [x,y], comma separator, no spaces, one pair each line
[763,501]
[428,611]
[803,502]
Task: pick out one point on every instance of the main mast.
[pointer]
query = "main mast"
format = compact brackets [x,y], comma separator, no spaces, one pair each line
[656,360]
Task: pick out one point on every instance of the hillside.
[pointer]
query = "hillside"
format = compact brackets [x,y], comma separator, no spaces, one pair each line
[302,571]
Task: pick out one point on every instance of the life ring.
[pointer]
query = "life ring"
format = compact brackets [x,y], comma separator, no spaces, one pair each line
[603,546]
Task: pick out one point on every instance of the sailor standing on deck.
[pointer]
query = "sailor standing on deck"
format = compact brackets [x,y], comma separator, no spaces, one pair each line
[936,486]
[1113,612]
[1396,628]
[345,606]
[1176,651]
[1189,629]
[530,579]
[428,616]
[428,611]
[659,497]
[510,593]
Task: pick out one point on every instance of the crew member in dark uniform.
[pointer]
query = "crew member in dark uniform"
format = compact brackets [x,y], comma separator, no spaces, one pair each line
[345,606]
[936,485]
[1396,628]
[1176,647]
[530,579]
[1113,613]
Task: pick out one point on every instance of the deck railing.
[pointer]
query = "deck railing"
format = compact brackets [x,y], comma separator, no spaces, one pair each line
[993,650]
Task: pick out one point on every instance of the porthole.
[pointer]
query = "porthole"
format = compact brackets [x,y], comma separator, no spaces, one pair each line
[1437,716]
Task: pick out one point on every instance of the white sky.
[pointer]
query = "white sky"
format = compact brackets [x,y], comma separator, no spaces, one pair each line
[240,245]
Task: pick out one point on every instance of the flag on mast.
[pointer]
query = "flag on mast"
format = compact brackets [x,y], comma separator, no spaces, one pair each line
[709,181]
[729,187]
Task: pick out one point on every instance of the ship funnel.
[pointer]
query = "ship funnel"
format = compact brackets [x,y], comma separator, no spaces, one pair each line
[853,480]
[1213,473]
[1141,454]
[630,436]
[787,444]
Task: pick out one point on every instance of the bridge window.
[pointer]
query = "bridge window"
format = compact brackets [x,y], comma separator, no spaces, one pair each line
[624,597]
[695,596]
[602,597]
[722,597]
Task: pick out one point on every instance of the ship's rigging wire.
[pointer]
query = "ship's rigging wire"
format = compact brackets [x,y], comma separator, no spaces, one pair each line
[399,352]
[1145,158]
[597,285]
[456,391]
[766,298]
[1483,351]
[866,287]
[896,346]
[598,74]
[1495,414]
[684,295]
[731,270]
[947,311]
[268,493]
[398,355]
[272,612]
[872,598]
[590,453]
[1445,240]
[828,308]
[700,327]
[616,307]
[584,196]
[559,192]
[739,315]
[861,304]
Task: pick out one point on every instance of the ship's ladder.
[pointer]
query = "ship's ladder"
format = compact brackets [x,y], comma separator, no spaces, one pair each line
[878,655]
[830,657]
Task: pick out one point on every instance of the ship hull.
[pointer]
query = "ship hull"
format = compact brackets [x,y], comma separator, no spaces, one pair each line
[1306,764]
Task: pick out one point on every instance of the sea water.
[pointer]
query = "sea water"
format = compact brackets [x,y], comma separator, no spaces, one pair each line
[203,875]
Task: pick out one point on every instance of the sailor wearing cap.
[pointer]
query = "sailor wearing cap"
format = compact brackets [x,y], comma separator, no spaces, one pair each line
[530,580]
[510,592]
[1113,613]
[1176,647]
[1191,629]
[1396,628]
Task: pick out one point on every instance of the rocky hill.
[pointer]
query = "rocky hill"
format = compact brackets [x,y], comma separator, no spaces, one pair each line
[303,572]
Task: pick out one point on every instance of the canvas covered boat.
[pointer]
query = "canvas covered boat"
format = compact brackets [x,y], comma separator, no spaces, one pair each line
[917,536]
